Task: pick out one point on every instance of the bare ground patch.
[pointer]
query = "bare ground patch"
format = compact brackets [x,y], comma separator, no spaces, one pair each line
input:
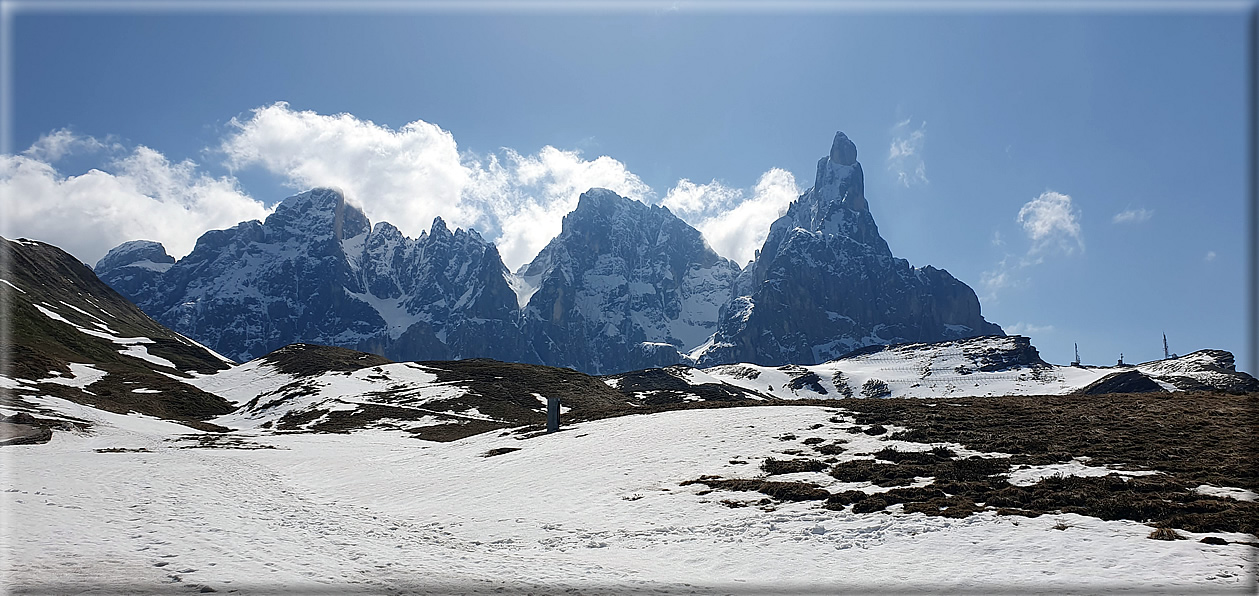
[1189,439]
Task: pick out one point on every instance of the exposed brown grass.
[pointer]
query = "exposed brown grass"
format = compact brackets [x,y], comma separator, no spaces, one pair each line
[1189,438]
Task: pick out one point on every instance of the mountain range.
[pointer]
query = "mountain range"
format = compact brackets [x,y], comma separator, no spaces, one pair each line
[137,457]
[624,286]
[78,351]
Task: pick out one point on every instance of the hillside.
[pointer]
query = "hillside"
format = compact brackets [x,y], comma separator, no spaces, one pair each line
[67,331]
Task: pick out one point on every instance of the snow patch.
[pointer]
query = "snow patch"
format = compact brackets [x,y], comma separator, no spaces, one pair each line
[139,351]
[1227,492]
[1076,467]
[81,375]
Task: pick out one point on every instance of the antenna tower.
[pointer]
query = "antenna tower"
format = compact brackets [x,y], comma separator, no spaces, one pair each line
[1166,354]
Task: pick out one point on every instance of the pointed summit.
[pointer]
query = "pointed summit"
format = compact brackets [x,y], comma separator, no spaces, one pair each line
[825,282]
[843,151]
[839,177]
[624,286]
[439,228]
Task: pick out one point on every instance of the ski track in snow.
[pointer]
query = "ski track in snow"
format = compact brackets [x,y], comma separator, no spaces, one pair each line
[597,508]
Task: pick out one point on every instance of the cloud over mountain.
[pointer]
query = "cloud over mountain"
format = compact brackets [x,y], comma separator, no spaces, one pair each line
[731,221]
[142,195]
[406,175]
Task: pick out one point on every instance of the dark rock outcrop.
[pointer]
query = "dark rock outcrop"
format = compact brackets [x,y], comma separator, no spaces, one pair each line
[1129,381]
[316,271]
[826,283]
[624,286]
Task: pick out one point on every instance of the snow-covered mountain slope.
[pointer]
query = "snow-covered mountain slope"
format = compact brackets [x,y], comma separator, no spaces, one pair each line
[73,339]
[624,286]
[317,271]
[825,283]
[980,366]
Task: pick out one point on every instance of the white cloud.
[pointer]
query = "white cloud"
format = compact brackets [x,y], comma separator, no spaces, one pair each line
[520,201]
[410,175]
[1052,222]
[904,157]
[1002,277]
[734,224]
[1210,256]
[406,176]
[1132,216]
[1021,328]
[51,147]
[145,196]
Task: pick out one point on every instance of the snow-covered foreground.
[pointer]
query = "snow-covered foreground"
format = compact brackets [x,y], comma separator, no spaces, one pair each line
[597,508]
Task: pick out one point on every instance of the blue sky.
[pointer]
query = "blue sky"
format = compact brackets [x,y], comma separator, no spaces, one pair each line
[1119,135]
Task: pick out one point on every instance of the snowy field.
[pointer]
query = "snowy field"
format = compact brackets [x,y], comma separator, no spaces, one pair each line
[596,508]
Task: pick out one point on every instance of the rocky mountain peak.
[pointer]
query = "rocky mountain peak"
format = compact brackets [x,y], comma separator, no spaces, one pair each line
[843,150]
[826,282]
[134,267]
[384,229]
[600,199]
[439,229]
[839,180]
[318,212]
[135,252]
[625,285]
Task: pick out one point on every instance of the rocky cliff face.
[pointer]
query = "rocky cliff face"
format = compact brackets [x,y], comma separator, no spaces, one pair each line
[624,286]
[825,283]
[316,271]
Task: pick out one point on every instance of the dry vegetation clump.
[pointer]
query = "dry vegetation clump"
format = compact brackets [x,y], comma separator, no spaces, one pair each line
[1165,534]
[773,466]
[783,491]
[935,455]
[955,506]
[833,448]
[499,451]
[867,470]
[843,499]
[972,468]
